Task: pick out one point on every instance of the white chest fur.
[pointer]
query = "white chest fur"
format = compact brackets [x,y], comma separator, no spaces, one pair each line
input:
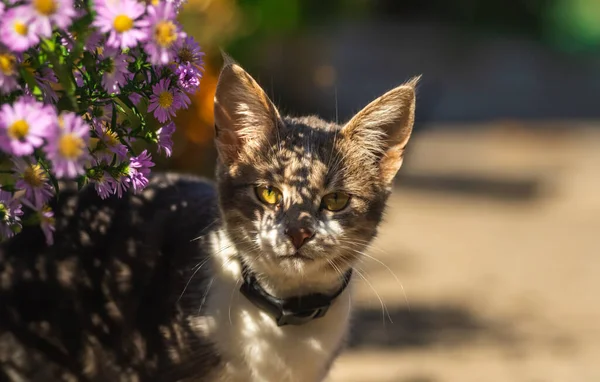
[255,349]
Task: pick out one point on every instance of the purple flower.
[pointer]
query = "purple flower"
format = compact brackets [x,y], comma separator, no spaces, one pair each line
[109,144]
[93,41]
[46,79]
[24,125]
[32,178]
[165,143]
[163,33]
[135,98]
[139,169]
[8,72]
[10,214]
[188,77]
[47,13]
[121,185]
[67,147]
[166,100]
[116,73]
[105,185]
[47,223]
[187,50]
[118,18]
[16,32]
[77,73]
[2,6]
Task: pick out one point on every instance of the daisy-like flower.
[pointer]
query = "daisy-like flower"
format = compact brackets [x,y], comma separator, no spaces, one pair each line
[139,169]
[166,100]
[119,19]
[116,73]
[8,72]
[109,144]
[105,185]
[163,33]
[67,147]
[46,79]
[48,13]
[24,125]
[16,32]
[47,223]
[10,215]
[32,178]
[94,41]
[187,50]
[188,77]
[165,143]
[121,185]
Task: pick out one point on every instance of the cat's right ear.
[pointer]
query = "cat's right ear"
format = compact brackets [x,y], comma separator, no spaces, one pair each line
[244,115]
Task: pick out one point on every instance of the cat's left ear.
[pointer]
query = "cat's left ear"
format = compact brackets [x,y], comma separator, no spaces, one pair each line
[384,127]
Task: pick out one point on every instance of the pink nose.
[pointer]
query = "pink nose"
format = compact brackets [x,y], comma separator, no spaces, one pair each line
[299,236]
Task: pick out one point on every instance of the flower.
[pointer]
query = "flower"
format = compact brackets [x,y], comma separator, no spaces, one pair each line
[121,184]
[67,147]
[47,223]
[46,78]
[94,41]
[105,185]
[116,73]
[34,180]
[166,100]
[163,32]
[109,143]
[2,6]
[165,143]
[135,98]
[24,125]
[8,72]
[188,77]
[118,18]
[139,169]
[16,32]
[10,214]
[187,50]
[50,12]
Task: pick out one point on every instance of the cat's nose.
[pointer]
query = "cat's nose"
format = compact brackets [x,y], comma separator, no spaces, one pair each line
[299,236]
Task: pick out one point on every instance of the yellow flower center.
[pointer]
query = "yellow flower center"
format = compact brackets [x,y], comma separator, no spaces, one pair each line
[34,175]
[70,146]
[111,138]
[165,99]
[45,7]
[18,130]
[7,63]
[165,33]
[123,23]
[21,28]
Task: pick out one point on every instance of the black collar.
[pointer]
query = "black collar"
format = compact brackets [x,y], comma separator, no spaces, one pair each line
[295,310]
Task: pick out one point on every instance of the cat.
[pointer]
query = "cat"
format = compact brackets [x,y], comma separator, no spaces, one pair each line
[247,279]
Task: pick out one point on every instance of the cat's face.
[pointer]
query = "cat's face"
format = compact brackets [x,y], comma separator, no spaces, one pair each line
[300,194]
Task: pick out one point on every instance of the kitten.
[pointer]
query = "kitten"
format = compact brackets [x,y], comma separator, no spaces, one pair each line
[246,280]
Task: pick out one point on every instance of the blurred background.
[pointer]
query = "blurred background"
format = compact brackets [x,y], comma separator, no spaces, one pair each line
[491,245]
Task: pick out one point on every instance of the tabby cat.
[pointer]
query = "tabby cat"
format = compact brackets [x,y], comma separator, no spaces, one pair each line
[248,279]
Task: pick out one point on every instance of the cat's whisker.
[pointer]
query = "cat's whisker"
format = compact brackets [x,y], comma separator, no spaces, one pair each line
[212,280]
[384,309]
[367,256]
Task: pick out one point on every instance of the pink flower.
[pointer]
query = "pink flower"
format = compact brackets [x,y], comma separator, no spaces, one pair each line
[10,214]
[118,18]
[16,31]
[163,33]
[67,147]
[139,169]
[116,75]
[166,100]
[109,144]
[47,224]
[32,178]
[24,125]
[48,13]
[105,185]
[188,77]
[187,50]
[8,72]
[165,143]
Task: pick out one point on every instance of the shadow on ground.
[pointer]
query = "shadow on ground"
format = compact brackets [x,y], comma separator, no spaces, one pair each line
[423,326]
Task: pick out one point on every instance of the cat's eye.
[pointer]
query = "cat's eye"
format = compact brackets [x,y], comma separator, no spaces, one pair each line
[268,194]
[335,201]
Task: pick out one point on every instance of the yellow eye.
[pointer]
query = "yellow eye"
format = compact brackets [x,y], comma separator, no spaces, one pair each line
[335,201]
[268,195]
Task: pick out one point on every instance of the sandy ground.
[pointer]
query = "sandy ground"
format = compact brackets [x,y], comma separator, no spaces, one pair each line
[502,281]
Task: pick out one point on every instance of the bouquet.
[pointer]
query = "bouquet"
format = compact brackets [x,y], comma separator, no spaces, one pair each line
[78,81]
